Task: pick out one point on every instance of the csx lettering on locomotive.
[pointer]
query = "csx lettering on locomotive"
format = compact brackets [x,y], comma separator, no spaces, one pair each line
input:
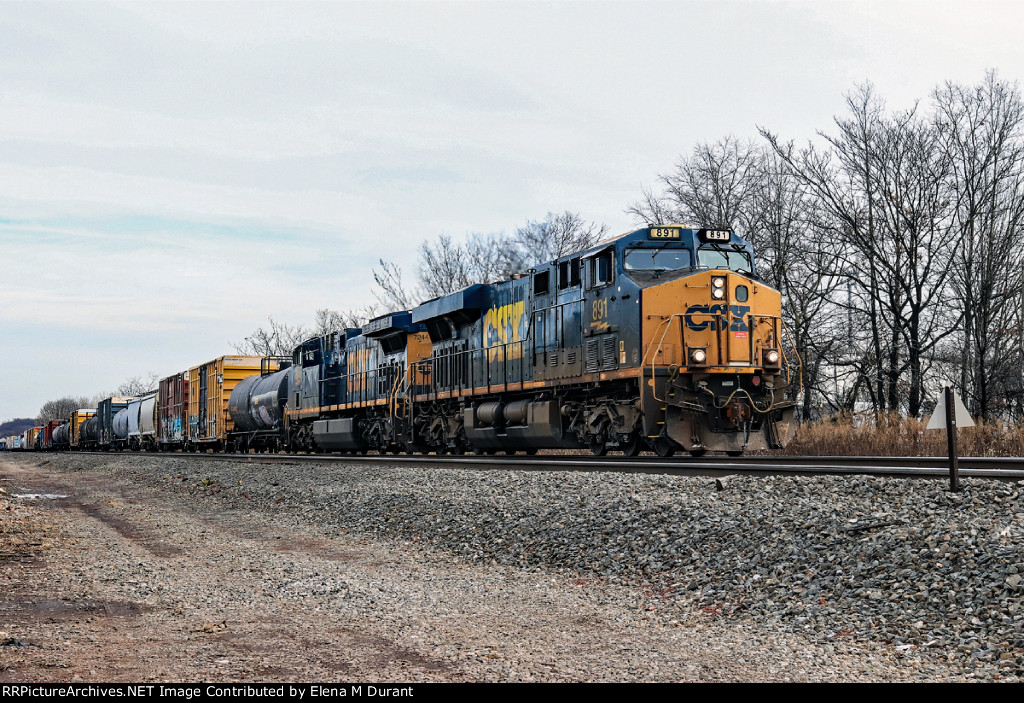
[503,325]
[706,317]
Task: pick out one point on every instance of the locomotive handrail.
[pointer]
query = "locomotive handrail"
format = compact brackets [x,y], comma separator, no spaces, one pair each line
[799,361]
[718,318]
[667,322]
[782,350]
[459,382]
[721,324]
[393,395]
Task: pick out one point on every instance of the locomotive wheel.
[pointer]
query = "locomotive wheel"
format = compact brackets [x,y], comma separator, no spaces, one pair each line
[632,446]
[477,451]
[698,452]
[734,452]
[531,451]
[599,449]
[663,447]
[510,452]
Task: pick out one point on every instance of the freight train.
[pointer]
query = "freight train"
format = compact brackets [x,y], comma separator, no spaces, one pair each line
[662,339]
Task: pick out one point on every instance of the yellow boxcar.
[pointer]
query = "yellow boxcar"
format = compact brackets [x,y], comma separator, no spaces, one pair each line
[209,389]
[78,419]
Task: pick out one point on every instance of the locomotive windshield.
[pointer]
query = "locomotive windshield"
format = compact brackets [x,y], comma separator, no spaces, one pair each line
[719,258]
[663,259]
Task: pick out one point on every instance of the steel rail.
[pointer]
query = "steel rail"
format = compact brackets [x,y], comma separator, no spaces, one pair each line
[1000,468]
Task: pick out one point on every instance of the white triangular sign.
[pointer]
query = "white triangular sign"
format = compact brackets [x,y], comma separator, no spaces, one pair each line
[938,418]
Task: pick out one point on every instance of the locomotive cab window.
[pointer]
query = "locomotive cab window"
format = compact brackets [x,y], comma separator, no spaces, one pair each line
[721,258]
[660,259]
[541,282]
[568,273]
[601,269]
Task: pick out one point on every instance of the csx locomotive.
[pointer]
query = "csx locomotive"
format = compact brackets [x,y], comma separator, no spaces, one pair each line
[660,339]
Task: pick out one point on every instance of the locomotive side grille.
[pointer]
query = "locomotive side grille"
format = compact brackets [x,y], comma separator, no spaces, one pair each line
[553,359]
[593,360]
[600,354]
[570,356]
[608,358]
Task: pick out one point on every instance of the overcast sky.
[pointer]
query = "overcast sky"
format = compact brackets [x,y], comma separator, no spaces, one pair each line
[170,175]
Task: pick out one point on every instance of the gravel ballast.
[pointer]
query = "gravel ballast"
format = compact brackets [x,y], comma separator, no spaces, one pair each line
[914,578]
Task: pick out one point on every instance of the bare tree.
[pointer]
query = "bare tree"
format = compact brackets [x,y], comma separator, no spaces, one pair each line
[390,290]
[276,339]
[713,187]
[327,320]
[446,265]
[880,185]
[138,385]
[61,408]
[555,236]
[491,257]
[443,267]
[981,129]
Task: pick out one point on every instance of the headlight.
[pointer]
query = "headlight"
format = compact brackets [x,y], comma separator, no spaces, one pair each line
[717,287]
[698,356]
[771,356]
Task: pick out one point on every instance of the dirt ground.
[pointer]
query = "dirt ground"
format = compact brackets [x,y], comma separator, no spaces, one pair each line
[106,580]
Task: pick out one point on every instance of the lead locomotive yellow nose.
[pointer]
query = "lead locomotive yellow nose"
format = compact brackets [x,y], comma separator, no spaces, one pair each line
[715,362]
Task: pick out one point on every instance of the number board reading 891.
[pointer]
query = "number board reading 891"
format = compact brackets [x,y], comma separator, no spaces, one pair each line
[666,233]
[717,235]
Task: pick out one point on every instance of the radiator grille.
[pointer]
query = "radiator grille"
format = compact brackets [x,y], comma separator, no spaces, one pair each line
[600,354]
[593,357]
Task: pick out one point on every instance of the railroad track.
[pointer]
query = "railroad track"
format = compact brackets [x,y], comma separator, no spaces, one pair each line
[999,468]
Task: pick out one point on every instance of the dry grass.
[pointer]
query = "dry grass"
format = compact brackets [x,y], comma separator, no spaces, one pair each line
[896,436]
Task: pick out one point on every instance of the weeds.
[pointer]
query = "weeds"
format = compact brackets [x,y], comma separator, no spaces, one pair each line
[897,436]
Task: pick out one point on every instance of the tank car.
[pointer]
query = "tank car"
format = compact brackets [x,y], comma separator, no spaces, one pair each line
[141,423]
[257,408]
[89,434]
[49,442]
[121,437]
[76,420]
[61,436]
